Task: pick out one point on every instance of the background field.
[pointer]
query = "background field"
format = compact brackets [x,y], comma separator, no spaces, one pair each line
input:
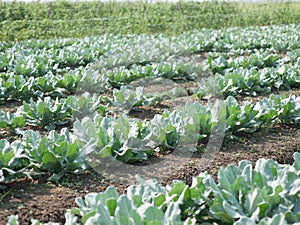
[20,21]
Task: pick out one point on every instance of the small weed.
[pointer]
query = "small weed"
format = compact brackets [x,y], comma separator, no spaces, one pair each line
[66,182]
[21,207]
[2,196]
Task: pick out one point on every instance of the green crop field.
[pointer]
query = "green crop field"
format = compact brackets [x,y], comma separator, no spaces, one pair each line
[212,88]
[61,19]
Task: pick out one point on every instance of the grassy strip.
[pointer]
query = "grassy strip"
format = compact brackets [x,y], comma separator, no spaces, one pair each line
[20,21]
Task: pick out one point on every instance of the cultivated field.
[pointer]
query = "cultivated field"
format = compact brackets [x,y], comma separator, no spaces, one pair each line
[21,21]
[211,115]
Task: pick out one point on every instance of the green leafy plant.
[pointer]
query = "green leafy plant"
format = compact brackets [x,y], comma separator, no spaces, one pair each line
[13,160]
[13,122]
[46,112]
[55,153]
